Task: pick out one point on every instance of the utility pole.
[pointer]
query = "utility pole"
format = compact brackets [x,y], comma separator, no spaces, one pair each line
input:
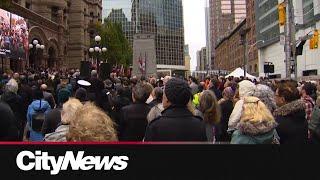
[243,34]
[288,38]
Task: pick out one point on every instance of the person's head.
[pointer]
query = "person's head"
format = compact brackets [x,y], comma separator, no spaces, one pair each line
[307,89]
[90,124]
[12,86]
[246,88]
[266,95]
[209,107]
[43,87]
[81,94]
[228,93]
[255,111]
[141,92]
[37,93]
[286,93]
[157,94]
[63,96]
[16,76]
[108,84]
[94,73]
[176,92]
[166,79]
[69,109]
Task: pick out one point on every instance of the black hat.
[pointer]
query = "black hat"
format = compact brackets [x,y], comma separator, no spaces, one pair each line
[178,91]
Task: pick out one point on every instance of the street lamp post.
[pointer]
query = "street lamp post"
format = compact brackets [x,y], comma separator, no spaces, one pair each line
[97,50]
[35,46]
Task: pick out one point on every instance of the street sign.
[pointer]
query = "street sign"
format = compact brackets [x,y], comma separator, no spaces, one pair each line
[282,39]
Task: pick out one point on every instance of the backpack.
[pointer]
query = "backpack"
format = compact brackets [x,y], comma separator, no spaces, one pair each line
[38,119]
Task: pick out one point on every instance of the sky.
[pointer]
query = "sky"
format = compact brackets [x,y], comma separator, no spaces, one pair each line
[194,27]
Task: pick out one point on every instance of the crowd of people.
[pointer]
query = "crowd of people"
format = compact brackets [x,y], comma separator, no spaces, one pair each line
[60,106]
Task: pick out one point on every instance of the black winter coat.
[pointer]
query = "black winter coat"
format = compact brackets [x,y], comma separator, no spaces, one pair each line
[226,110]
[176,124]
[17,107]
[8,124]
[293,126]
[133,122]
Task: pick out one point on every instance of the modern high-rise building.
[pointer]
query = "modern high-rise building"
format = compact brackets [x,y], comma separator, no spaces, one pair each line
[119,11]
[164,19]
[224,16]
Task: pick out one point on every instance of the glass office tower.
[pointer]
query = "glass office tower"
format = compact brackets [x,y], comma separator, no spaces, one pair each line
[164,18]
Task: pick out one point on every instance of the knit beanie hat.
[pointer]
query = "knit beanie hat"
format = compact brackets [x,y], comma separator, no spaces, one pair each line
[63,95]
[178,91]
[228,92]
[246,88]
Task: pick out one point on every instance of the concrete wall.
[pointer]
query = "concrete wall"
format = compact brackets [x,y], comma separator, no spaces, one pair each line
[144,47]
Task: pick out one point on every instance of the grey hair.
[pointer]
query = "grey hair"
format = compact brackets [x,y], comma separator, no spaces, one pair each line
[94,73]
[141,92]
[266,95]
[12,86]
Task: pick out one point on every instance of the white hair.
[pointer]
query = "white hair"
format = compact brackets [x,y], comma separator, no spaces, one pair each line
[12,86]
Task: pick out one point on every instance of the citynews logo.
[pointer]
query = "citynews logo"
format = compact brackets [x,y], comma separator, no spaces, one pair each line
[42,161]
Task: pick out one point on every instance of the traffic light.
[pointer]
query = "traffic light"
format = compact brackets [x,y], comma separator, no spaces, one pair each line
[282,14]
[311,43]
[316,39]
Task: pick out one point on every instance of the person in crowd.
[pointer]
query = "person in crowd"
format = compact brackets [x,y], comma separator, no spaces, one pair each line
[126,87]
[246,88]
[257,125]
[166,79]
[210,113]
[177,123]
[90,124]
[64,84]
[156,105]
[25,92]
[82,95]
[53,118]
[266,95]
[37,111]
[193,85]
[290,115]
[11,97]
[133,118]
[95,90]
[314,124]
[68,112]
[214,88]
[156,94]
[306,91]
[48,96]
[107,97]
[226,105]
[8,124]
[119,101]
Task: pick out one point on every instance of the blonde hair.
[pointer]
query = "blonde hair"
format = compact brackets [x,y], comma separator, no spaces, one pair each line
[210,107]
[69,109]
[254,110]
[91,124]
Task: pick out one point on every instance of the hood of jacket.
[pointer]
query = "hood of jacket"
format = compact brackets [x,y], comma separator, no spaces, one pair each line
[35,105]
[290,108]
[257,128]
[246,88]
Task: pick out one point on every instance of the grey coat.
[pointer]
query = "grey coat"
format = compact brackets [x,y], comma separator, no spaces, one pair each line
[59,135]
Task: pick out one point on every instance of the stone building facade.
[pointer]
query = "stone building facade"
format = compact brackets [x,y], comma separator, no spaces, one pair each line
[64,27]
[253,59]
[230,51]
